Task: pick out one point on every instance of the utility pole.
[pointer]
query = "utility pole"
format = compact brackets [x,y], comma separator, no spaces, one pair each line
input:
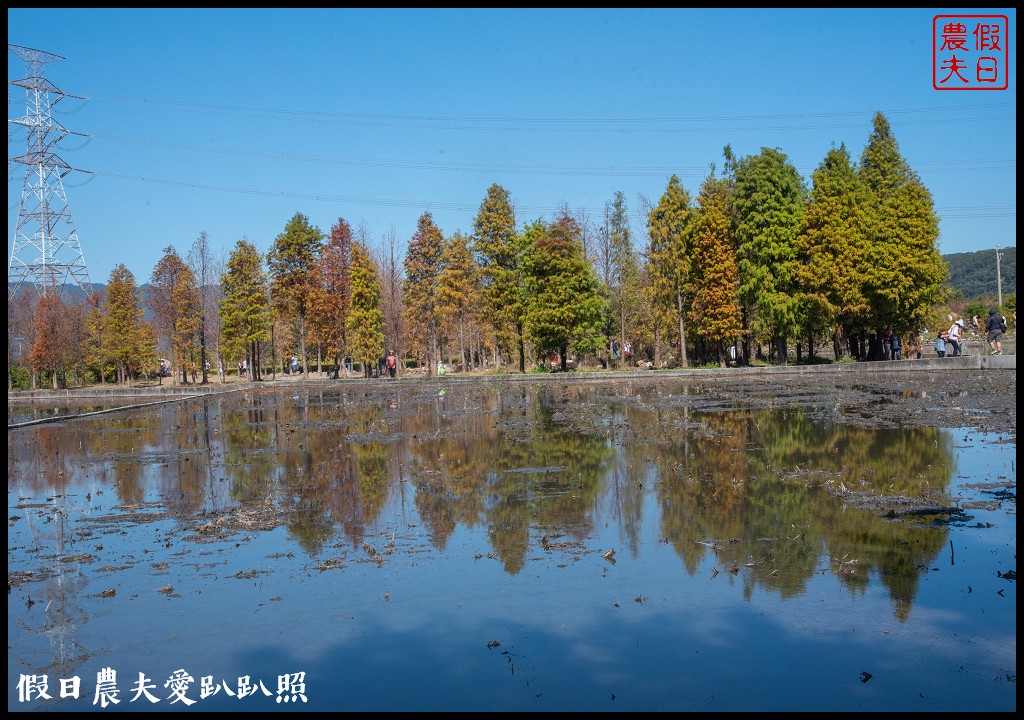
[46,252]
[999,278]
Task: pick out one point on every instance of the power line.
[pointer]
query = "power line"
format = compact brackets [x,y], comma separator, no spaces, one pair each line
[452,118]
[613,171]
[998,210]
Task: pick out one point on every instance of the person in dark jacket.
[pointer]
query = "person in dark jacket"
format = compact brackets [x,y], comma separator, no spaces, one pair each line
[994,327]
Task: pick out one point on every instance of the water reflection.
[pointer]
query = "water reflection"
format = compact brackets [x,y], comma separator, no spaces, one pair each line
[28,411]
[650,543]
[941,394]
[757,494]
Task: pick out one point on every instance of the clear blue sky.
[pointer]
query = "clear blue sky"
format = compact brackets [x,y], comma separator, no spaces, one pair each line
[231,121]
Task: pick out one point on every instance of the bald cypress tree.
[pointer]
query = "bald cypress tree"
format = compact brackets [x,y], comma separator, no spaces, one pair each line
[331,293]
[498,249]
[130,340]
[669,260]
[245,307]
[459,292]
[830,250]
[364,324]
[904,273]
[420,288]
[715,311]
[291,265]
[565,307]
[174,301]
[58,330]
[769,202]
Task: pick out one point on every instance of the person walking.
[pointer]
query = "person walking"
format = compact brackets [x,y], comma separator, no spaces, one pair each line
[896,346]
[995,328]
[392,363]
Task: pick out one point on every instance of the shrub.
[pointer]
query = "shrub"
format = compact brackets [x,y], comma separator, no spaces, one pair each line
[20,377]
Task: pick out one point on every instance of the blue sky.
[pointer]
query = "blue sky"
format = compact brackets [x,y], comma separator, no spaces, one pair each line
[231,121]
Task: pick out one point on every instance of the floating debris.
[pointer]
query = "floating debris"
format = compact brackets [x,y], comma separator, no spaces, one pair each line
[248,575]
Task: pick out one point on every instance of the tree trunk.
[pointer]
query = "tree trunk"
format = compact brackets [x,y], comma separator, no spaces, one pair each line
[682,330]
[782,351]
[202,351]
[302,347]
[522,347]
[657,346]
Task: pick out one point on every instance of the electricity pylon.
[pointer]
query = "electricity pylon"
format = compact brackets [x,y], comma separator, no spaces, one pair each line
[46,251]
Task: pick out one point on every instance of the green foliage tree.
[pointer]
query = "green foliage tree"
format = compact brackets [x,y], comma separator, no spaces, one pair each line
[715,311]
[245,309]
[130,341]
[830,250]
[904,273]
[93,338]
[769,202]
[422,273]
[291,264]
[668,259]
[565,307]
[498,249]
[364,325]
[458,291]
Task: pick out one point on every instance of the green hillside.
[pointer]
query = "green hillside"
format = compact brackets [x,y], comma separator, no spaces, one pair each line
[974,274]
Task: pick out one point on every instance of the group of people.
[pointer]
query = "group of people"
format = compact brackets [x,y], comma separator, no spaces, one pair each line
[627,350]
[949,343]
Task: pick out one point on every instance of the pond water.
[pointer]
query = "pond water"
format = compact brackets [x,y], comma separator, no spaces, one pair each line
[474,547]
[35,411]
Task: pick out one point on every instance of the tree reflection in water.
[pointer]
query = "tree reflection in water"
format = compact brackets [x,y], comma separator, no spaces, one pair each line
[534,479]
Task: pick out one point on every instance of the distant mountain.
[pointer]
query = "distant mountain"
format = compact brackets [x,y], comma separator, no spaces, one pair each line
[974,274]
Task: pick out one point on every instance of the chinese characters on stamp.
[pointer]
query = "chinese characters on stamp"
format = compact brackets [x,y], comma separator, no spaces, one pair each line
[970,52]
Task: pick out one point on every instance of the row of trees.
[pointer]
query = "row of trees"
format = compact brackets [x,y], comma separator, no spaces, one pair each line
[756,264]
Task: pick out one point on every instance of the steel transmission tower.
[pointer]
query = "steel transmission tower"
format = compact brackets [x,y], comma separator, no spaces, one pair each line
[46,252]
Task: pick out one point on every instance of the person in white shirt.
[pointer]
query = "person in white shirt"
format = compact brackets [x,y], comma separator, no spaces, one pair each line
[954,339]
